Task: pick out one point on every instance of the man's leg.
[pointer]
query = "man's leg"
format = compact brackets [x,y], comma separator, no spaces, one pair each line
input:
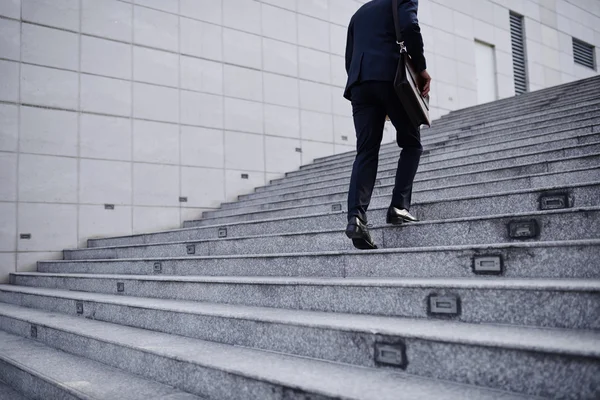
[409,139]
[369,120]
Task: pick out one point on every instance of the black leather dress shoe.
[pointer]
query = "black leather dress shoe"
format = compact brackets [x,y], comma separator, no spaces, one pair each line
[359,233]
[397,216]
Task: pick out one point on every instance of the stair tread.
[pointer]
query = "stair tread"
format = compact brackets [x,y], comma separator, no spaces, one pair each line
[559,341]
[7,393]
[557,284]
[372,227]
[314,376]
[313,215]
[82,377]
[404,250]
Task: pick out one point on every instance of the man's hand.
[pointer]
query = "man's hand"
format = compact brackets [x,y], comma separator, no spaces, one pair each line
[424,82]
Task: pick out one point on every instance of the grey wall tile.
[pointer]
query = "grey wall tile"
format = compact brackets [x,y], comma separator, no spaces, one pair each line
[202,147]
[45,236]
[8,177]
[155,66]
[242,14]
[201,75]
[282,121]
[315,97]
[280,57]
[201,39]
[59,13]
[46,86]
[47,179]
[50,47]
[97,222]
[316,126]
[203,187]
[105,137]
[155,142]
[315,8]
[155,185]
[156,29]
[313,33]
[155,102]
[105,182]
[242,48]
[9,81]
[201,109]
[8,226]
[10,39]
[107,18]
[243,83]
[105,95]
[314,65]
[10,8]
[244,151]
[152,219]
[243,115]
[337,39]
[279,24]
[171,6]
[106,57]
[204,10]
[46,131]
[281,154]
[9,128]
[281,90]
[312,150]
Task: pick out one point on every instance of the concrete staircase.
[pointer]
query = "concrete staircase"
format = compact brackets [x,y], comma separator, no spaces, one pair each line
[494,295]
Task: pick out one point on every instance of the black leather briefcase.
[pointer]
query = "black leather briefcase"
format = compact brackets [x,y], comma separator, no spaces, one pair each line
[406,82]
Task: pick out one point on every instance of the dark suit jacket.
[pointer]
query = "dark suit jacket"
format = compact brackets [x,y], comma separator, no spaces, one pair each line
[372,53]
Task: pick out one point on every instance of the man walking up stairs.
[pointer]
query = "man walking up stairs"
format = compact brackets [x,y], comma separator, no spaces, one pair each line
[494,294]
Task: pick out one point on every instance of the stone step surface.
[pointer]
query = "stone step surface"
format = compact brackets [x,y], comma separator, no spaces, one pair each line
[442,168]
[242,373]
[466,140]
[560,259]
[544,142]
[555,303]
[566,224]
[7,393]
[472,137]
[535,198]
[42,372]
[514,178]
[482,350]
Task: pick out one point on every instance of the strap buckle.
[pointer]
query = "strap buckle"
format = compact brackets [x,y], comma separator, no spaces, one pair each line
[402,46]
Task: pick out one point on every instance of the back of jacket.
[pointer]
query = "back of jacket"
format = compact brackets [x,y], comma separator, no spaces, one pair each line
[372,53]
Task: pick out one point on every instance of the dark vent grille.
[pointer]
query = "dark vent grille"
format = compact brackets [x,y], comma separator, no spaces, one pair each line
[517,36]
[583,54]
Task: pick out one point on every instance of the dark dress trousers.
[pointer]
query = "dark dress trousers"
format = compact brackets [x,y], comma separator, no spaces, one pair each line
[372,56]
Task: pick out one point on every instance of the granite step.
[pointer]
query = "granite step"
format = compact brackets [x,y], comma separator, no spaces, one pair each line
[459,185]
[555,101]
[469,137]
[460,165]
[489,355]
[553,303]
[497,178]
[572,195]
[525,98]
[513,140]
[566,224]
[562,259]
[41,372]
[241,373]
[440,168]
[582,135]
[7,393]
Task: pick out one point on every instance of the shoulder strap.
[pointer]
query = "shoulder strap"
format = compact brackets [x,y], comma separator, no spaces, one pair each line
[396,21]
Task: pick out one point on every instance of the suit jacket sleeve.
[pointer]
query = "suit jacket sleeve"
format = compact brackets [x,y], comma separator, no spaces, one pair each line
[349,45]
[411,32]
